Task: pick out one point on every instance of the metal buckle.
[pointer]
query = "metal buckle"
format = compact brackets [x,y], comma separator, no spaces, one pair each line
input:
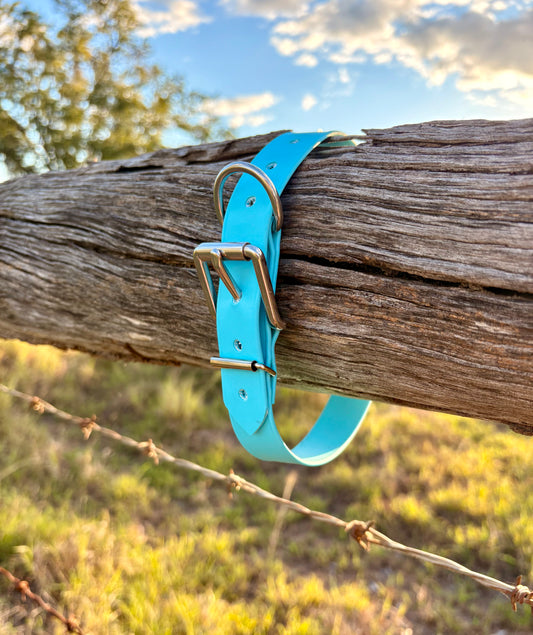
[214,254]
[257,173]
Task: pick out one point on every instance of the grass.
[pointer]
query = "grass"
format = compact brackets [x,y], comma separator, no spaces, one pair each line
[131,547]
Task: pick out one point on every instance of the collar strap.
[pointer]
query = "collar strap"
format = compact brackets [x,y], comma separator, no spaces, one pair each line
[248,321]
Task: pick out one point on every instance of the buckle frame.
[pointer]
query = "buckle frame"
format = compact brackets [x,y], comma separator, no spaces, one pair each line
[242,167]
[214,254]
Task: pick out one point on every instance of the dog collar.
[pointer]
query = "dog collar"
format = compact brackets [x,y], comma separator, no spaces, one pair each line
[247,318]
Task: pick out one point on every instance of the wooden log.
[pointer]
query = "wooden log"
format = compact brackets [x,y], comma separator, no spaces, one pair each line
[406,273]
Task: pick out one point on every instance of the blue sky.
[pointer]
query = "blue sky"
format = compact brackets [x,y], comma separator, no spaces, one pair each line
[344,64]
[347,64]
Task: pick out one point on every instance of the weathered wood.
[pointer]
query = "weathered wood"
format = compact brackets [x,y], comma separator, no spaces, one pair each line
[406,272]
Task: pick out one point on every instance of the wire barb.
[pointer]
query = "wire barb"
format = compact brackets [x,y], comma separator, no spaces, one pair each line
[23,587]
[232,483]
[149,449]
[37,405]
[363,532]
[521,594]
[87,425]
[358,530]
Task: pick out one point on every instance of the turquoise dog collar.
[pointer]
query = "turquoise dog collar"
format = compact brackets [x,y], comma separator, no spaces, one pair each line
[248,321]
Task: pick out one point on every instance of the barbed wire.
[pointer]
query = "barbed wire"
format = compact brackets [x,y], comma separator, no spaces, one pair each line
[23,587]
[363,532]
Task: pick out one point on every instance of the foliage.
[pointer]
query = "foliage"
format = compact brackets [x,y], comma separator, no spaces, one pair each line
[84,88]
[135,548]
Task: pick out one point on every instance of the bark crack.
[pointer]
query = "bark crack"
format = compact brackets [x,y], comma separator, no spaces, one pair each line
[388,272]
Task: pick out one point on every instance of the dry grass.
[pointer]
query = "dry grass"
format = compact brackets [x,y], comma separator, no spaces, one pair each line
[134,548]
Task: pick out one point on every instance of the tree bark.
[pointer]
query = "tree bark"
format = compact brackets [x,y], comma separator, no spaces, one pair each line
[406,268]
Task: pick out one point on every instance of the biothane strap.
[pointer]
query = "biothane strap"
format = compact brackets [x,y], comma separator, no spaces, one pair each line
[248,323]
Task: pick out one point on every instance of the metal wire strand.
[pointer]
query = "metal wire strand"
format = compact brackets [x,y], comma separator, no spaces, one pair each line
[23,587]
[364,533]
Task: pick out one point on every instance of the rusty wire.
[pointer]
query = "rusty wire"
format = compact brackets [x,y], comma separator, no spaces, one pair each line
[23,587]
[364,533]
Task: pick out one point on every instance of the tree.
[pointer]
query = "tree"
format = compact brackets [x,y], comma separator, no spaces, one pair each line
[84,88]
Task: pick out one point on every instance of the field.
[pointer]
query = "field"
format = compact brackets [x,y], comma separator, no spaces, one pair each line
[131,547]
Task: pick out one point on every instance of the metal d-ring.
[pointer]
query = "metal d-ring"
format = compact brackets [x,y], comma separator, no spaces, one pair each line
[252,170]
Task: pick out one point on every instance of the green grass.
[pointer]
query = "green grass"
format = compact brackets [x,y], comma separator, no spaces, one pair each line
[131,547]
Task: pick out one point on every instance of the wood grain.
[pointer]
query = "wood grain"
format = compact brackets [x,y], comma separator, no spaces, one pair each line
[406,272]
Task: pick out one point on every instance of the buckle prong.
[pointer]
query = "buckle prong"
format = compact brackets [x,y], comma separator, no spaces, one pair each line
[216,261]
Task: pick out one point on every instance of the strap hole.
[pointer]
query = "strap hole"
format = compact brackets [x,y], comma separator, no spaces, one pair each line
[250,201]
[243,394]
[237,345]
[272,165]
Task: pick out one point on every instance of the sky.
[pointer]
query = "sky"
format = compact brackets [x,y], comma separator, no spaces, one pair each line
[344,64]
[347,64]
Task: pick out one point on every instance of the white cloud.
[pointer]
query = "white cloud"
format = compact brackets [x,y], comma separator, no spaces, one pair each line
[339,84]
[343,58]
[285,46]
[243,109]
[484,54]
[485,45]
[306,59]
[488,101]
[177,15]
[269,9]
[344,77]
[309,101]
[241,105]
[255,121]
